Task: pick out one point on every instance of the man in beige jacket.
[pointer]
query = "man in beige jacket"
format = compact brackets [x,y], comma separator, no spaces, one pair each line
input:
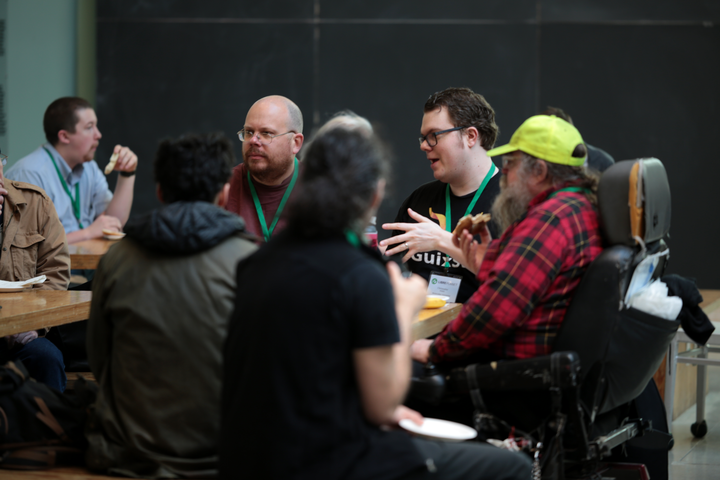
[33,243]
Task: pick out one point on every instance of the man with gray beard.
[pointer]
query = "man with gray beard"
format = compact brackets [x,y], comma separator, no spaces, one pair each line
[547,212]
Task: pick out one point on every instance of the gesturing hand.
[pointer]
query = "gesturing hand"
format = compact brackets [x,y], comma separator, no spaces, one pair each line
[423,236]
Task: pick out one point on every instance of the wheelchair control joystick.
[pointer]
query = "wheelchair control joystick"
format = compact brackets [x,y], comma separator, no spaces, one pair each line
[431,386]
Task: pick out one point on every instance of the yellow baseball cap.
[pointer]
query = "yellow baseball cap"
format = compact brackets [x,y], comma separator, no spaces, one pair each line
[546,137]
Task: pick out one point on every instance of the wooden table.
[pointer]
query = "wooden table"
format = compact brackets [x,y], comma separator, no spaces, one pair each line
[86,255]
[36,309]
[55,473]
[432,320]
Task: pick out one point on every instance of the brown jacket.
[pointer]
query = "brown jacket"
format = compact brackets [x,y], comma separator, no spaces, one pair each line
[33,239]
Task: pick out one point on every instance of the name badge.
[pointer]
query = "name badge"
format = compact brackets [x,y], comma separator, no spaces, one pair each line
[444,284]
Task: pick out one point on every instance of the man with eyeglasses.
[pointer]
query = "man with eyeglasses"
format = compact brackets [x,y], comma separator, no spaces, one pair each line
[548,215]
[33,244]
[458,128]
[65,169]
[262,185]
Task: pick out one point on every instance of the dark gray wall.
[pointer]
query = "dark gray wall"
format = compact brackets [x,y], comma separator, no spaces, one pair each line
[639,77]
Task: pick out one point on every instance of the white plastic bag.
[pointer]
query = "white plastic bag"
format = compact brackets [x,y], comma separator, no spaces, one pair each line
[653,299]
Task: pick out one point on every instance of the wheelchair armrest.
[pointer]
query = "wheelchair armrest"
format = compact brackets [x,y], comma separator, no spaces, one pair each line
[559,370]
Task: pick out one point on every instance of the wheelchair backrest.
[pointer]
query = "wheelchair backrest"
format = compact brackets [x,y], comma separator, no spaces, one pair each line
[620,348]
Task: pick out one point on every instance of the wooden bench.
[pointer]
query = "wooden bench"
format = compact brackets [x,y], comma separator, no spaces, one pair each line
[57,473]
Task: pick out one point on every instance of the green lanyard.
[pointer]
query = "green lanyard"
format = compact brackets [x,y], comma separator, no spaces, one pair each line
[352,238]
[258,207]
[75,201]
[479,192]
[571,189]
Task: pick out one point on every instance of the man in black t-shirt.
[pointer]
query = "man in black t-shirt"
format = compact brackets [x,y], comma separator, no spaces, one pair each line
[458,128]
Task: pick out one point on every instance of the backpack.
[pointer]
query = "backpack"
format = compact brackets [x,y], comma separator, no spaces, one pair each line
[40,427]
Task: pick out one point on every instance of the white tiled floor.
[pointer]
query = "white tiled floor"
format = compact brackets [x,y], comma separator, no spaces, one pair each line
[698,459]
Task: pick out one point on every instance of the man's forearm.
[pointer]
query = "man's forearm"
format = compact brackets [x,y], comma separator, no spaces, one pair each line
[78,236]
[401,352]
[122,200]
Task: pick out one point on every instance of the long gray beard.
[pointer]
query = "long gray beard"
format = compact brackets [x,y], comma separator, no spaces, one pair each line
[511,203]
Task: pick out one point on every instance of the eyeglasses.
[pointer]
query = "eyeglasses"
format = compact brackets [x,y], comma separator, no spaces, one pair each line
[507,162]
[431,138]
[265,138]
[3,159]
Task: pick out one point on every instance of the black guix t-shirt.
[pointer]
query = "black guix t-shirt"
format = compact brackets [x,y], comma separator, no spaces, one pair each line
[290,406]
[429,201]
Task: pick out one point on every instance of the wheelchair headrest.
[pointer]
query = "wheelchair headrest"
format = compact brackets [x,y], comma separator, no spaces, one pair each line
[634,202]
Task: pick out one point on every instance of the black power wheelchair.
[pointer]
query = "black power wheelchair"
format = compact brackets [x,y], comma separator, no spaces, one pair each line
[576,405]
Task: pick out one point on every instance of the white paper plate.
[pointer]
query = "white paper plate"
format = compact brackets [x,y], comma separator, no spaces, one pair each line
[113,237]
[436,429]
[16,289]
[22,285]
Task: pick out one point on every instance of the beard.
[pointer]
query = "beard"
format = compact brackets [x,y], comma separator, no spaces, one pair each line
[269,170]
[511,203]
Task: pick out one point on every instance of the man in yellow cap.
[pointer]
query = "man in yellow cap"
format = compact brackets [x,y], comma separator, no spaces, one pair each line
[547,212]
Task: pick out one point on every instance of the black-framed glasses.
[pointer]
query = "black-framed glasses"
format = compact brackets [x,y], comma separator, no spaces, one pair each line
[265,138]
[431,138]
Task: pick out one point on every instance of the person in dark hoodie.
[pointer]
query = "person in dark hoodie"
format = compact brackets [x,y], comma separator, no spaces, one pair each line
[161,301]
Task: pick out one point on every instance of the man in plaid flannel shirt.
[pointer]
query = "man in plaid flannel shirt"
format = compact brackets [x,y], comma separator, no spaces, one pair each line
[547,212]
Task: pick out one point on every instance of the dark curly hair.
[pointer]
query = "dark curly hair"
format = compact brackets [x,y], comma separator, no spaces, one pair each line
[467,109]
[193,167]
[342,168]
[62,115]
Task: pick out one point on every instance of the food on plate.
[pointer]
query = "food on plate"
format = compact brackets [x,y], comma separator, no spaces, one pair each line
[474,224]
[111,165]
[434,302]
[112,233]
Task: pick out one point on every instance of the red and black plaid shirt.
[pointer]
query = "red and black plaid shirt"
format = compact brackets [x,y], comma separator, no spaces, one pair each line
[527,279]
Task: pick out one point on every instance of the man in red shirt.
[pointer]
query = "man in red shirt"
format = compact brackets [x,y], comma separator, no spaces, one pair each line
[547,212]
[261,186]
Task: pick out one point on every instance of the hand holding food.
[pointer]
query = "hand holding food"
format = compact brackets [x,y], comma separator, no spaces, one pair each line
[473,224]
[111,165]
[123,160]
